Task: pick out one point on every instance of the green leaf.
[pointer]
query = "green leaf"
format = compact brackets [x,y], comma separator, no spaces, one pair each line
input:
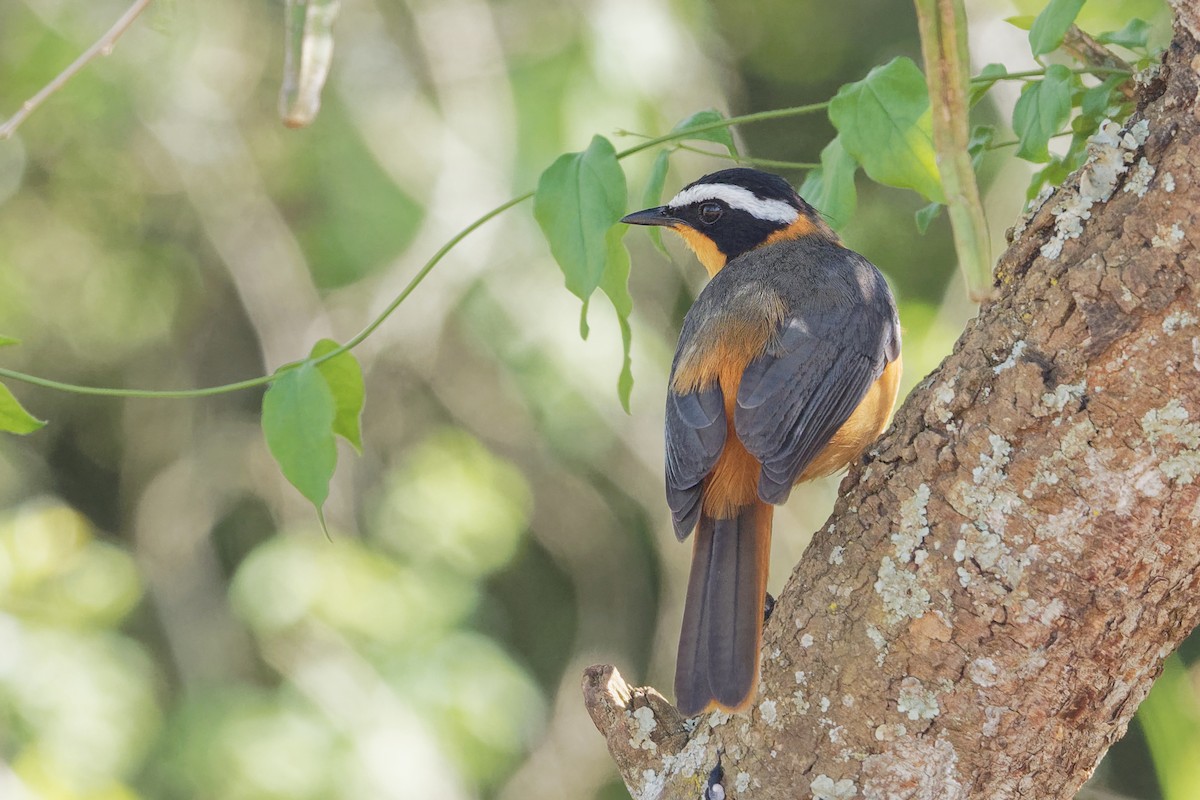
[5,341]
[653,195]
[1047,31]
[1099,101]
[616,285]
[579,197]
[977,145]
[297,420]
[578,202]
[925,216]
[721,136]
[883,121]
[344,377]
[985,80]
[13,417]
[1042,110]
[1053,173]
[584,328]
[830,187]
[1134,35]
[1022,21]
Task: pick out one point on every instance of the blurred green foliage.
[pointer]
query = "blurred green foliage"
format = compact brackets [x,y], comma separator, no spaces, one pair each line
[172,622]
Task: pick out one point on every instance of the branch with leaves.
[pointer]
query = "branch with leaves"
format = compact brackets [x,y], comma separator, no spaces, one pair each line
[884,126]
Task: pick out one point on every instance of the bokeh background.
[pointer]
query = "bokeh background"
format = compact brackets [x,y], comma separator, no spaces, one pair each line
[173,622]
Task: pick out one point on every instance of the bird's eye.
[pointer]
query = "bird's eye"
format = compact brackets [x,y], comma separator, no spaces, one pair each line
[710,213]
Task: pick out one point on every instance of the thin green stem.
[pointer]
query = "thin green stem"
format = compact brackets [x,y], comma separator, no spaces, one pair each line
[778,113]
[1014,142]
[73,388]
[758,162]
[425,270]
[264,379]
[1037,73]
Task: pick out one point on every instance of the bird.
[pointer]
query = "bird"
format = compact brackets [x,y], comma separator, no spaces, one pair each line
[787,368]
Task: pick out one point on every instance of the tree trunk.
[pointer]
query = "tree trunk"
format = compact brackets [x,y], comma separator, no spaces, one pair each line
[998,586]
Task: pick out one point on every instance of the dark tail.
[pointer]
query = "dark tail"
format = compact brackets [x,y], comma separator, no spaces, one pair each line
[717,666]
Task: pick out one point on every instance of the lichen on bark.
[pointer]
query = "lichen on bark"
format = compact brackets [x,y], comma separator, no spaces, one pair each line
[998,587]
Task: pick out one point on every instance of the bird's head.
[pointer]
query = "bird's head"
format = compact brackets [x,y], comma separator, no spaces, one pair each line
[727,213]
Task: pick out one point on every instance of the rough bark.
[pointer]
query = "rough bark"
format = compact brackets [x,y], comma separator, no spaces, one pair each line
[997,587]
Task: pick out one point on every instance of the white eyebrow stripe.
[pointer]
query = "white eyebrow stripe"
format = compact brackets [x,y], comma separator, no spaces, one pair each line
[737,197]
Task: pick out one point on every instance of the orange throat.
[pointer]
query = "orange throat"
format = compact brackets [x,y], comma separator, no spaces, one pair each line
[705,249]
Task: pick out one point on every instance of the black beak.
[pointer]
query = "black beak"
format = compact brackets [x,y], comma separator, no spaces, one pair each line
[652,216]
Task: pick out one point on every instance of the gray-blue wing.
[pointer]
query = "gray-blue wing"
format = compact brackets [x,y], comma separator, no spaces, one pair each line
[695,432]
[794,397]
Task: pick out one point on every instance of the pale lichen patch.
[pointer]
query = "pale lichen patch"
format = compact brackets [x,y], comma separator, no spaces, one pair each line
[913,769]
[992,716]
[916,701]
[991,465]
[837,555]
[1149,75]
[1031,210]
[943,396]
[1167,236]
[891,732]
[1064,393]
[824,787]
[1042,476]
[645,723]
[983,671]
[1139,180]
[1052,611]
[694,760]
[901,592]
[1018,349]
[989,552]
[718,718]
[1064,528]
[742,782]
[1110,153]
[653,784]
[1138,133]
[914,524]
[767,709]
[989,507]
[1172,421]
[1182,468]
[1178,319]
[877,638]
[1074,446]
[1168,182]
[801,704]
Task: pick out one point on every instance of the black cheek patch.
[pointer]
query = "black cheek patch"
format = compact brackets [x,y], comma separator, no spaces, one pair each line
[738,232]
